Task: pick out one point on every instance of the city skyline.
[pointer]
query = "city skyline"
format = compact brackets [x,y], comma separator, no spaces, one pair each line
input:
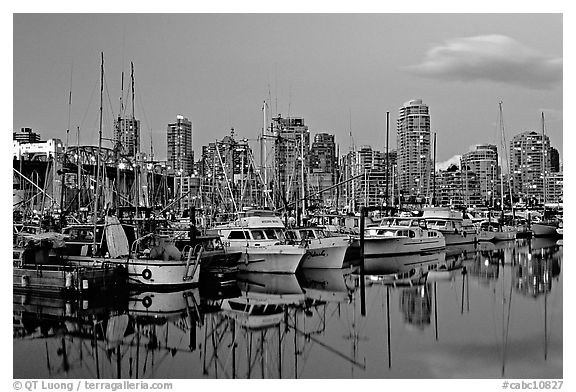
[331,70]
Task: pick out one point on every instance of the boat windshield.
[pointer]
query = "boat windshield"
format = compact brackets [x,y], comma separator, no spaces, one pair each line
[271,234]
[307,234]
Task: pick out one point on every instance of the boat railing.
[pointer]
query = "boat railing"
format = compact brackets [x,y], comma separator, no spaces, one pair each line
[137,241]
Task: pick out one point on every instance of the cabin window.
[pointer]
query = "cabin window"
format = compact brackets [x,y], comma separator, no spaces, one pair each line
[236,235]
[257,234]
[237,306]
[411,234]
[320,234]
[291,235]
[271,234]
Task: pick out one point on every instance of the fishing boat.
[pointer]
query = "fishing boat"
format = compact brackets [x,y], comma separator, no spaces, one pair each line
[398,235]
[322,249]
[453,226]
[260,236]
[494,231]
[151,260]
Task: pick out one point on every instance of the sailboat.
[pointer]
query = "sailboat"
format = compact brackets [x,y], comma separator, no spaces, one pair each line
[499,231]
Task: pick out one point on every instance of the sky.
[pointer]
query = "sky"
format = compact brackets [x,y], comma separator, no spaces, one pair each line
[340,72]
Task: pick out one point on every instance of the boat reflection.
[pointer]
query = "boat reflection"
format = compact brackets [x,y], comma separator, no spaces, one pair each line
[324,285]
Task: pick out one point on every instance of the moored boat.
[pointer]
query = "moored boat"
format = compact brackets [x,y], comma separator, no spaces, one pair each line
[260,237]
[395,236]
[494,231]
[454,227]
[322,250]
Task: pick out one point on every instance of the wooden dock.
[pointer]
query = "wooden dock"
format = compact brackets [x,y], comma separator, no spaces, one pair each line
[69,279]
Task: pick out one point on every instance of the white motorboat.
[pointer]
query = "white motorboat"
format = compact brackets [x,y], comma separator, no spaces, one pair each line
[395,236]
[260,236]
[494,231]
[454,227]
[322,249]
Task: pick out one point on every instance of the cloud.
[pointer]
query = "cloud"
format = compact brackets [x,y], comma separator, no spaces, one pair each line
[455,160]
[495,58]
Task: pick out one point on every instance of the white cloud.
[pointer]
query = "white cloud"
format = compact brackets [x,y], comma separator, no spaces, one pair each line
[455,160]
[495,58]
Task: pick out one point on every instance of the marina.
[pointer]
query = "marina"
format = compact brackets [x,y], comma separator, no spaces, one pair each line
[202,219]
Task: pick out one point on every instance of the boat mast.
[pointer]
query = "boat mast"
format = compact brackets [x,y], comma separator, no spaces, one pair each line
[302,173]
[544,162]
[434,173]
[263,154]
[387,152]
[97,189]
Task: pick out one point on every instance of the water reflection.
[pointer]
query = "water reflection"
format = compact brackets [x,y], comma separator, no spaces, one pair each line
[472,311]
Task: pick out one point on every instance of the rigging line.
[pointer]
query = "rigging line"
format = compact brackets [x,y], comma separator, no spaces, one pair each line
[89,102]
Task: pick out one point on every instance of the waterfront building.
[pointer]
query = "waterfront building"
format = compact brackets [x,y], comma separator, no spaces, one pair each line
[292,137]
[369,188]
[26,135]
[555,187]
[413,138]
[127,136]
[37,150]
[529,164]
[457,188]
[483,161]
[180,152]
[227,169]
[186,190]
[323,167]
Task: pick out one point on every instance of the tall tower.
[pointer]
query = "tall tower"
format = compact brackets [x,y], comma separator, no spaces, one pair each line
[414,163]
[530,157]
[180,152]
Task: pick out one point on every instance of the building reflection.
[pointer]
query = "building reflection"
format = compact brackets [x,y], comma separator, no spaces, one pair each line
[416,305]
[535,270]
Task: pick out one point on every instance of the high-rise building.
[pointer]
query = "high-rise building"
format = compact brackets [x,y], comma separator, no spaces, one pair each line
[291,142]
[180,152]
[413,138]
[529,164]
[127,135]
[26,135]
[323,165]
[483,161]
[554,160]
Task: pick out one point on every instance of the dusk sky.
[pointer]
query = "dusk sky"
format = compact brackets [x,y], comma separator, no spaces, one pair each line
[335,70]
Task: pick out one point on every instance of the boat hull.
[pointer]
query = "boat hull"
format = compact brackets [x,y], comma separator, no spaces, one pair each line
[283,259]
[391,246]
[543,230]
[452,238]
[152,273]
[326,253]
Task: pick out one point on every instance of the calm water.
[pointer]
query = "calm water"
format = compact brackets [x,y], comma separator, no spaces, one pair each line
[497,313]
